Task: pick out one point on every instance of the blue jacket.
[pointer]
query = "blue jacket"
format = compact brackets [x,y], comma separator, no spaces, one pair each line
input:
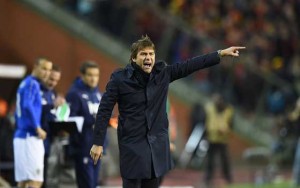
[83,101]
[28,107]
[48,97]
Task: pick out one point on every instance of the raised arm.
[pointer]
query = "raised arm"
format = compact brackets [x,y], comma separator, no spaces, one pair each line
[180,70]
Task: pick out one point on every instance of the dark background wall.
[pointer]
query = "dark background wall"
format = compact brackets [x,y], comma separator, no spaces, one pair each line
[24,36]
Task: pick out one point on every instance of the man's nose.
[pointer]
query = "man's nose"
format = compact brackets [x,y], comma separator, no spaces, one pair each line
[94,79]
[147,56]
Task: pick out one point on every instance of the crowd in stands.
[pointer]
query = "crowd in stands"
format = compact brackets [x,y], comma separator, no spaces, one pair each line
[268,28]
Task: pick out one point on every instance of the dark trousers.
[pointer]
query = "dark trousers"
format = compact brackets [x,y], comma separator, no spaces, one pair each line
[86,172]
[141,183]
[45,170]
[213,151]
[154,182]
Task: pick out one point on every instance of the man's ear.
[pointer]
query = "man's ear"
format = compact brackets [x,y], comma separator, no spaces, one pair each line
[133,59]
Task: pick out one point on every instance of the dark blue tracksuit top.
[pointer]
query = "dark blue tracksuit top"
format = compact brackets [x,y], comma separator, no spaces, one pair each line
[83,101]
[48,97]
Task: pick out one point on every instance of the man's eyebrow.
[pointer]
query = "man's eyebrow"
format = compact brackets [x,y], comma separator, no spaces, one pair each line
[147,52]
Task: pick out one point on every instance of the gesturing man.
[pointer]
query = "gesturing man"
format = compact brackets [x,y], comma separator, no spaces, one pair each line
[141,89]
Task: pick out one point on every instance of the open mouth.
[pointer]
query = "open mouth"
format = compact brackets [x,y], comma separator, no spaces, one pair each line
[147,65]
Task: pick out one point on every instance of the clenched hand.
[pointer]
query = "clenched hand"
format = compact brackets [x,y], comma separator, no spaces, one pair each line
[96,153]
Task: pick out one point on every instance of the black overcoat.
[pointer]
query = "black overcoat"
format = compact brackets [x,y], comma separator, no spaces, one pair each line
[143,123]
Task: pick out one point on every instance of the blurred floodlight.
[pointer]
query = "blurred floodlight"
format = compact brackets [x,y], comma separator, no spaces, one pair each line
[12,71]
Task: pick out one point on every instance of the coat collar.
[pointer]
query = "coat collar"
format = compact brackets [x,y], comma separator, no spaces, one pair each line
[129,70]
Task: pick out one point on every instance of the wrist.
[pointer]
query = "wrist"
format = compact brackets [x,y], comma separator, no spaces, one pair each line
[220,54]
[37,130]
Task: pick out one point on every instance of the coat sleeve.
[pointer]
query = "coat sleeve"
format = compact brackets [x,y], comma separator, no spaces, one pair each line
[180,70]
[105,109]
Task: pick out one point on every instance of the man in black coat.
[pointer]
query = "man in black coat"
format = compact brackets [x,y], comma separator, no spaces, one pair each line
[141,90]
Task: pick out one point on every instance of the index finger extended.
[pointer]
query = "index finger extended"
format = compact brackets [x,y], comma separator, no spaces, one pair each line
[239,47]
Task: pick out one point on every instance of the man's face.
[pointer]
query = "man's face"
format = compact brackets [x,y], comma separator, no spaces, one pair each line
[42,70]
[145,58]
[91,77]
[53,79]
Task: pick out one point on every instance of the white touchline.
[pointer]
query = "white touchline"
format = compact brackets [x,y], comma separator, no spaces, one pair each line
[160,187]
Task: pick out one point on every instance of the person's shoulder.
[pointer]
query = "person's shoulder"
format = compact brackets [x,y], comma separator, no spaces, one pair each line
[161,63]
[30,81]
[73,91]
[44,88]
[209,106]
[159,66]
[73,95]
[119,73]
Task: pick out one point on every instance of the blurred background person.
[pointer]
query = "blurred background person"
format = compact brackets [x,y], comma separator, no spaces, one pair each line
[28,139]
[84,98]
[219,116]
[50,101]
